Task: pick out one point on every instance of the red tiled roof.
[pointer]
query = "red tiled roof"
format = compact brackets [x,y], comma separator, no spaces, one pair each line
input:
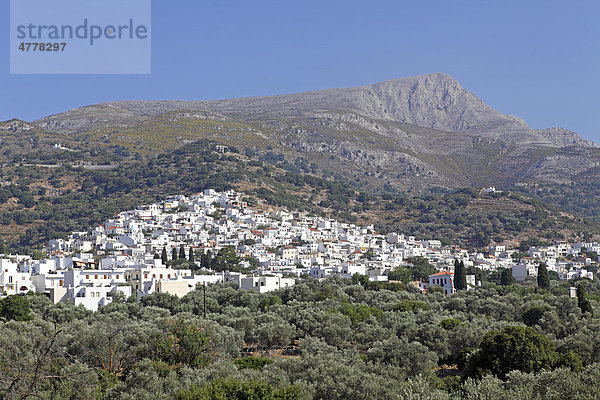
[442,273]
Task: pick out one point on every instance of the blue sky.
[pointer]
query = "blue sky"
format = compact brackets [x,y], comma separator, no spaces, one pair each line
[539,60]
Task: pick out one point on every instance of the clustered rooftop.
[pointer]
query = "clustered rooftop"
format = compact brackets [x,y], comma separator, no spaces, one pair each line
[123,254]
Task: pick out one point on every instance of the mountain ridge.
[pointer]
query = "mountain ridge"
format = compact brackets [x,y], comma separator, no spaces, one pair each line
[413,133]
[435,101]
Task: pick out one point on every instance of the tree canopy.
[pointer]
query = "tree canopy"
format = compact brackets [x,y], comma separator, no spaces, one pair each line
[15,308]
[514,348]
[543,279]
[460,275]
[328,339]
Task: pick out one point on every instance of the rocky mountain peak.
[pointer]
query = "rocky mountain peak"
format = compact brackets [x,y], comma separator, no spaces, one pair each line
[439,101]
[15,125]
[433,101]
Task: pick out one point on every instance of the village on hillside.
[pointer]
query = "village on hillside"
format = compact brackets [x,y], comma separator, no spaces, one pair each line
[171,247]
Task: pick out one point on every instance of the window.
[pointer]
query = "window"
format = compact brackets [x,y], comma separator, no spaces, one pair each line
[10,279]
[154,275]
[262,283]
[117,276]
[169,276]
[105,276]
[161,276]
[60,282]
[145,276]
[87,277]
[255,283]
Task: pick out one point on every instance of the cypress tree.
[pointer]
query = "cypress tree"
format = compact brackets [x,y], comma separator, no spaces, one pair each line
[582,300]
[464,274]
[182,253]
[506,277]
[456,274]
[543,280]
[163,256]
[174,254]
[205,260]
[191,256]
[460,277]
[208,259]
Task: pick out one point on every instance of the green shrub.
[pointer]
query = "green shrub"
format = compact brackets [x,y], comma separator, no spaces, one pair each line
[255,363]
[231,389]
[411,305]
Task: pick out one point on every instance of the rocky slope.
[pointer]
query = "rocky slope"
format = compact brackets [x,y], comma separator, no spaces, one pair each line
[409,133]
[15,125]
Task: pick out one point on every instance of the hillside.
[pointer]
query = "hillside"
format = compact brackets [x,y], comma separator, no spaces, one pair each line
[434,101]
[405,137]
[409,134]
[48,195]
